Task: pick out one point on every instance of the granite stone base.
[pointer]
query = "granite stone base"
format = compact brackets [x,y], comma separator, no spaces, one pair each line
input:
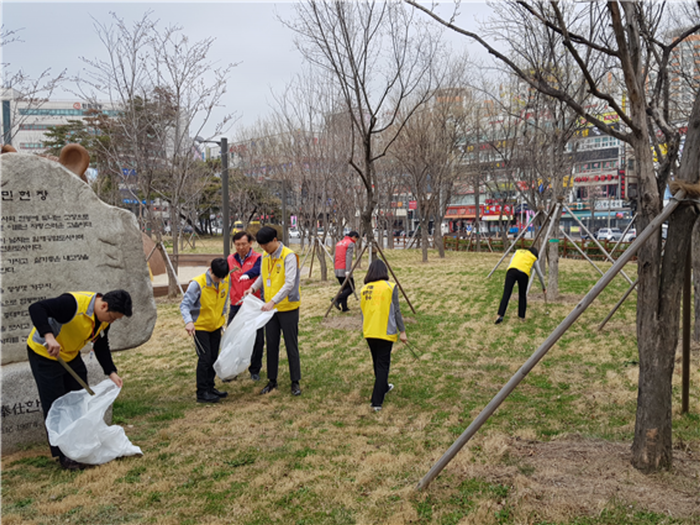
[22,416]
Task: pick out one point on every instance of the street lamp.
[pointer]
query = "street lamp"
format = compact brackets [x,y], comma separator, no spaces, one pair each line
[223,144]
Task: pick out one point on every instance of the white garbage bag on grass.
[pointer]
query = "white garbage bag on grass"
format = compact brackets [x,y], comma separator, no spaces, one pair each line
[76,425]
[239,339]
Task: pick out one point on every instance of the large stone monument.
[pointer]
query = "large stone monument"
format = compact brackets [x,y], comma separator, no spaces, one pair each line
[57,237]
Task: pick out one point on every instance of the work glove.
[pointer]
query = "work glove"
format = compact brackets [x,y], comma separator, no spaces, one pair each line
[244,277]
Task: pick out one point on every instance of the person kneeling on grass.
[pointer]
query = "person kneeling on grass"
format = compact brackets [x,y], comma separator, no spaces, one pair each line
[203,309]
[519,269]
[382,325]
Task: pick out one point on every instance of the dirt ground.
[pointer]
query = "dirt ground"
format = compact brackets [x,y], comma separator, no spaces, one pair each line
[574,476]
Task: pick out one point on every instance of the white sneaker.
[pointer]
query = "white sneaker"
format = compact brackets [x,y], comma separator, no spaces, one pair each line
[376,409]
[391,387]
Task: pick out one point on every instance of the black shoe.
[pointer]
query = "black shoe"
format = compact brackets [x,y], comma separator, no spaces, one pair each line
[69,464]
[345,310]
[207,397]
[269,387]
[219,393]
[337,306]
[296,390]
[499,320]
[255,377]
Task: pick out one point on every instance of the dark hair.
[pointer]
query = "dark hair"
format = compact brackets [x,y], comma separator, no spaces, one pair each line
[239,235]
[377,272]
[353,233]
[265,235]
[219,267]
[118,301]
[534,251]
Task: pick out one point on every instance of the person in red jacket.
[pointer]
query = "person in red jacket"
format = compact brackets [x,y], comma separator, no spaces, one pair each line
[244,266]
[343,265]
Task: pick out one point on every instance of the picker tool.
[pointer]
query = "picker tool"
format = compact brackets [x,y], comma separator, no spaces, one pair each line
[410,347]
[75,375]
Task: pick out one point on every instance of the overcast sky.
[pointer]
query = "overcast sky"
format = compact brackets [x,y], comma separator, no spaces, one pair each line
[56,34]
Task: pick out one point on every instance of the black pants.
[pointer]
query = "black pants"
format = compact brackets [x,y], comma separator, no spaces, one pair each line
[207,345]
[286,323]
[513,276]
[381,357]
[256,358]
[53,381]
[345,292]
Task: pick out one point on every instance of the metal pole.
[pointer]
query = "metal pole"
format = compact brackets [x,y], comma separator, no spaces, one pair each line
[544,246]
[381,253]
[326,250]
[623,235]
[619,303]
[167,258]
[549,342]
[581,251]
[514,243]
[224,196]
[607,255]
[685,387]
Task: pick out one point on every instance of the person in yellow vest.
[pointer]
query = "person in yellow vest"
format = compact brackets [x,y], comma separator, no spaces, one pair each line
[63,326]
[203,309]
[279,280]
[382,325]
[519,270]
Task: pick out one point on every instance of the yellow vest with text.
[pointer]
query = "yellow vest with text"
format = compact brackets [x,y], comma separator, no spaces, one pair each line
[213,303]
[523,261]
[377,311]
[73,335]
[273,273]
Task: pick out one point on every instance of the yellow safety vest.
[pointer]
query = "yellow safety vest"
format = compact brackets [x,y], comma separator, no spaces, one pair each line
[73,335]
[523,261]
[273,276]
[378,320]
[212,304]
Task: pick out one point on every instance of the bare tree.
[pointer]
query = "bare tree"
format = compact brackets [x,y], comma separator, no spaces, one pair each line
[158,82]
[427,152]
[628,43]
[24,94]
[380,58]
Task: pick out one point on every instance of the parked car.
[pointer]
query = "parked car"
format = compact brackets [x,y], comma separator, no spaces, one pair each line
[294,234]
[399,233]
[630,235]
[609,234]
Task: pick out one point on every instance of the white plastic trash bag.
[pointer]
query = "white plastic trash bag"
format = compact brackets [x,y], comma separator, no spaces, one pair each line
[76,425]
[239,339]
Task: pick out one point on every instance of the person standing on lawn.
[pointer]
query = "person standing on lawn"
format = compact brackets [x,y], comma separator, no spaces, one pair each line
[343,264]
[279,281]
[203,309]
[244,266]
[382,325]
[519,270]
[62,327]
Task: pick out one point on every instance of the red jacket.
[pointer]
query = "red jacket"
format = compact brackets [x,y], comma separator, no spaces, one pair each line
[237,286]
[341,249]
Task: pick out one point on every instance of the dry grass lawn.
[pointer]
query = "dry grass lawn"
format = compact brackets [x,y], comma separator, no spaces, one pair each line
[556,452]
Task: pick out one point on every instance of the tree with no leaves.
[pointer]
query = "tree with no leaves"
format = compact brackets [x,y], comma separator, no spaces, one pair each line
[381,60]
[629,43]
[165,90]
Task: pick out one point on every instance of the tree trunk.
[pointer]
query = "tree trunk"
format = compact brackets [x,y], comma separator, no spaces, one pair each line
[553,256]
[696,279]
[424,236]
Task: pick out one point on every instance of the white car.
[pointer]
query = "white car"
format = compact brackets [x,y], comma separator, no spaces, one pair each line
[630,235]
[294,234]
[609,234]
